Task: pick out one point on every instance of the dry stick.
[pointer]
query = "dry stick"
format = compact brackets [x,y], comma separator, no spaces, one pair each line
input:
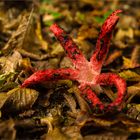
[35,56]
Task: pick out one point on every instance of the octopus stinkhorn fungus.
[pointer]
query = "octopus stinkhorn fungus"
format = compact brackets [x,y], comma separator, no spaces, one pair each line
[86,73]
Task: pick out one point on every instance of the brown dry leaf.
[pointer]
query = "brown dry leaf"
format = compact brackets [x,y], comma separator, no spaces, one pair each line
[27,113]
[129,75]
[133,111]
[134,61]
[135,89]
[48,121]
[92,2]
[19,99]
[56,133]
[68,83]
[25,63]
[104,122]
[85,47]
[44,44]
[87,31]
[107,136]
[71,102]
[7,130]
[127,63]
[72,132]
[132,91]
[134,129]
[109,93]
[82,103]
[66,63]
[135,57]
[10,63]
[124,33]
[44,101]
[57,49]
[3,98]
[121,35]
[19,37]
[112,57]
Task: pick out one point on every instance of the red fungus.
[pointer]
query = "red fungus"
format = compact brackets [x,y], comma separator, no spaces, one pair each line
[86,73]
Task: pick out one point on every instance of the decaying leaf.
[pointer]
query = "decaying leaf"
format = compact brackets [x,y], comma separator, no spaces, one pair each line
[27,113]
[10,63]
[7,130]
[19,37]
[57,50]
[107,136]
[44,44]
[66,63]
[127,63]
[135,89]
[5,77]
[19,99]
[124,33]
[112,57]
[133,111]
[3,97]
[82,103]
[130,75]
[71,102]
[134,61]
[87,31]
[135,58]
[56,133]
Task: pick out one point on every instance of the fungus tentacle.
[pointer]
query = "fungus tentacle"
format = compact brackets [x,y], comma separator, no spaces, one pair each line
[102,45]
[113,79]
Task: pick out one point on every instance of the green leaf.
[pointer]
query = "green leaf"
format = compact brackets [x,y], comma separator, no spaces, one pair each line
[55,15]
[5,77]
[48,23]
[102,19]
[46,1]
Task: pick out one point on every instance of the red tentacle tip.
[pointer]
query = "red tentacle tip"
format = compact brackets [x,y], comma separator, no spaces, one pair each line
[110,23]
[56,29]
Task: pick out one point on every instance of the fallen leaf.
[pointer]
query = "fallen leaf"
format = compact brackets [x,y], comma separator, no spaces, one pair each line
[112,57]
[130,75]
[19,99]
[44,44]
[7,130]
[19,37]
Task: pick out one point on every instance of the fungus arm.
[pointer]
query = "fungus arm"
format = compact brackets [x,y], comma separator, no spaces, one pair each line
[50,75]
[113,79]
[103,41]
[69,46]
[91,97]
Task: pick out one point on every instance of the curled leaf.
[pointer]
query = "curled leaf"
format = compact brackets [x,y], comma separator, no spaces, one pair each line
[130,75]
[112,57]
[20,99]
[135,89]
[133,111]
[3,97]
[127,63]
[7,130]
[56,133]
[10,63]
[5,77]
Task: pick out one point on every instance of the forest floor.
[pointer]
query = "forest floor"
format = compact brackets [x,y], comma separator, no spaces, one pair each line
[56,110]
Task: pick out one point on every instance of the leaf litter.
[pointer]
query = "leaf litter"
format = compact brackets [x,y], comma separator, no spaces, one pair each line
[53,110]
